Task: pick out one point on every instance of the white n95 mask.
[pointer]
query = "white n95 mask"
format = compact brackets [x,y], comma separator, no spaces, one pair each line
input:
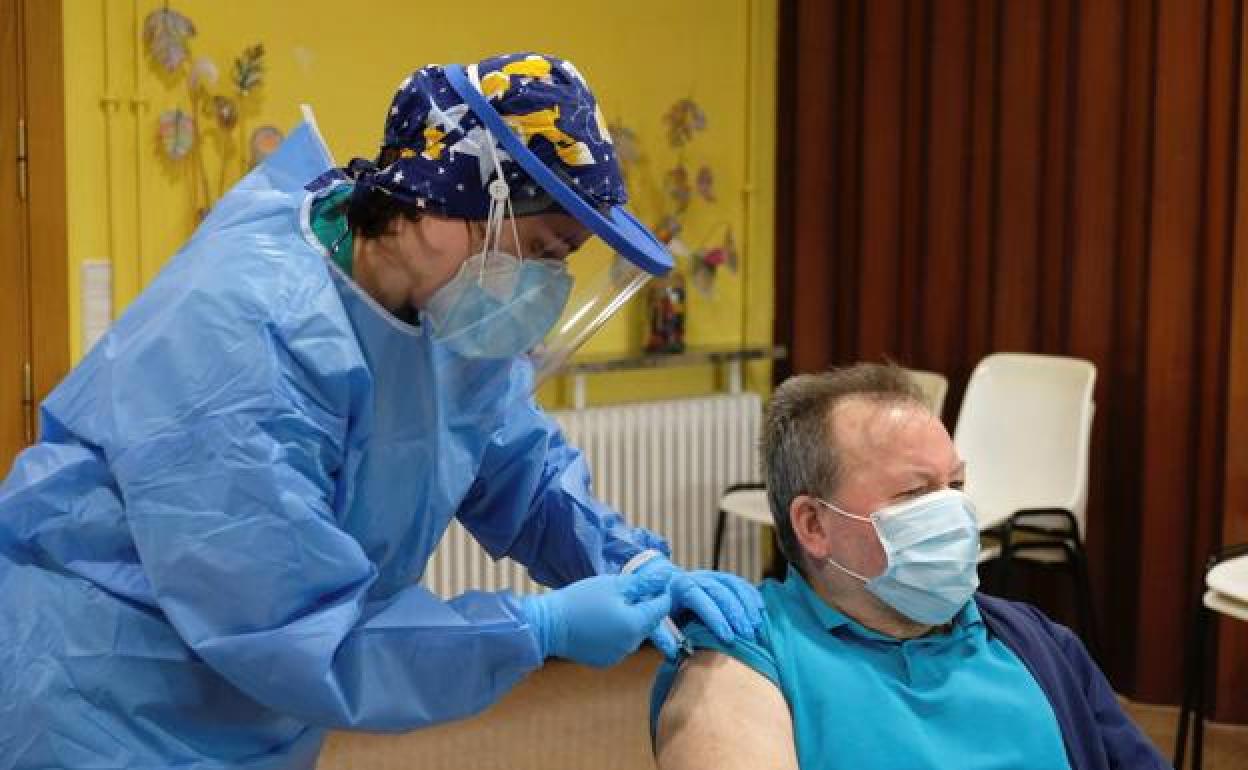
[932,545]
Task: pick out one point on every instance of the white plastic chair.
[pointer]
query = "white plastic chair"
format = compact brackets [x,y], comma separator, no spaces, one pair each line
[934,386]
[1226,592]
[745,501]
[1024,431]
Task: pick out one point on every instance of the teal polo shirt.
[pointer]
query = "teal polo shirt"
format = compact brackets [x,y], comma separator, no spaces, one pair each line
[859,699]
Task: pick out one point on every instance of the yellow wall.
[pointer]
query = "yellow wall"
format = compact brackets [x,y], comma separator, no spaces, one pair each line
[129,205]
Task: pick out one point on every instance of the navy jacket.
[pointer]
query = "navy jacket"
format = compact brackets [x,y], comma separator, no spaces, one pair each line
[1097,734]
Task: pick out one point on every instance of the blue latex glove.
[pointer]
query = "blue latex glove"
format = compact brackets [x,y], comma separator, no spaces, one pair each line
[728,605]
[598,620]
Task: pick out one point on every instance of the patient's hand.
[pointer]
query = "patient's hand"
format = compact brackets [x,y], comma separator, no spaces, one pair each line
[723,715]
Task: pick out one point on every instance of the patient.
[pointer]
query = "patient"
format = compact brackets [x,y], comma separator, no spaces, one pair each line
[876,651]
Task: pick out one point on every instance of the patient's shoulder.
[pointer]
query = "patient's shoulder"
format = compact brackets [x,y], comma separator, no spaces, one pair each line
[759,652]
[723,714]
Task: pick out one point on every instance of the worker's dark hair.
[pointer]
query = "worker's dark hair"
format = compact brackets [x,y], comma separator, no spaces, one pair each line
[371,213]
[799,445]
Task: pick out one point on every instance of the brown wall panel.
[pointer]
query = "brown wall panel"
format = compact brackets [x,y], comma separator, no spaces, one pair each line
[883,72]
[1232,663]
[1094,193]
[1170,373]
[815,31]
[1053,249]
[1213,318]
[846,136]
[915,113]
[941,300]
[1063,177]
[982,222]
[1019,166]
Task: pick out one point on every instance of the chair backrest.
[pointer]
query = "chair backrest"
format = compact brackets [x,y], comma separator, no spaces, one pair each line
[934,387]
[1024,430]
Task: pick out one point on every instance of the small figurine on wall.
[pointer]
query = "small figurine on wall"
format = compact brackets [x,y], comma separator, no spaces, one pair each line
[666,311]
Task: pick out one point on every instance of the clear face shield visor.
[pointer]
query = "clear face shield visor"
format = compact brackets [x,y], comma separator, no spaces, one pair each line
[598,292]
[599,287]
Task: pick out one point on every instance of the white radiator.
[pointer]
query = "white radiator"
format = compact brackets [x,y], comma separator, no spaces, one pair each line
[663,465]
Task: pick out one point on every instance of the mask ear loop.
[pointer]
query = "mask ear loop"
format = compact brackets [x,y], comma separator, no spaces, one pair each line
[500,196]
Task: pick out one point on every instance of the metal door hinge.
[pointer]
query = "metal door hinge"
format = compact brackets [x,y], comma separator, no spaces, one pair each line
[22,159]
[28,402]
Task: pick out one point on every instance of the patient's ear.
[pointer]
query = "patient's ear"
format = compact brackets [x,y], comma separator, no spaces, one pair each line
[810,525]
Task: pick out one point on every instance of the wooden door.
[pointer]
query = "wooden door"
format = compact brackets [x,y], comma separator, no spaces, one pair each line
[34,337]
[15,375]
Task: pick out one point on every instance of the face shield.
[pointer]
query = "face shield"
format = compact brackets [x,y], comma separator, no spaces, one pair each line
[598,289]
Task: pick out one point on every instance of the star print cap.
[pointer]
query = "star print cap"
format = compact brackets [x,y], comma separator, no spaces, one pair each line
[523,128]
[444,161]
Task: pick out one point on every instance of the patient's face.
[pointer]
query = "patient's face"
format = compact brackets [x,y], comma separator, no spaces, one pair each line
[892,453]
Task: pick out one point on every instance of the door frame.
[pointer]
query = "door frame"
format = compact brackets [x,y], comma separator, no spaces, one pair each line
[43,102]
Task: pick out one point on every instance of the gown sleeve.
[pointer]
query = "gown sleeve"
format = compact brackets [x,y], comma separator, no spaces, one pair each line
[533,502]
[225,436]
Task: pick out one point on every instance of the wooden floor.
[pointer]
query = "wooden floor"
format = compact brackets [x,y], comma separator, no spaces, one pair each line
[1226,746]
[564,717]
[568,717]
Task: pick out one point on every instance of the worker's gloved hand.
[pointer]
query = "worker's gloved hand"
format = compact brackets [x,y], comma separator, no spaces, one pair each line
[597,620]
[727,604]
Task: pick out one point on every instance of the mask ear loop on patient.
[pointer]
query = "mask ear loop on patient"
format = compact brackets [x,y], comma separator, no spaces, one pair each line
[848,515]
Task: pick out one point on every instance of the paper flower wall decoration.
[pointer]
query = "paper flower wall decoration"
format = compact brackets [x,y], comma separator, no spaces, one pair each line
[679,189]
[177,133]
[166,33]
[706,261]
[684,119]
[203,74]
[213,115]
[264,142]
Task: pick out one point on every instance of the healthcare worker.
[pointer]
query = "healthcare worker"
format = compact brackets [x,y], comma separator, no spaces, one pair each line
[212,554]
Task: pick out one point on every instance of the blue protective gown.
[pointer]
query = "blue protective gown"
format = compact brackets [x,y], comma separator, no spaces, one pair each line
[210,556]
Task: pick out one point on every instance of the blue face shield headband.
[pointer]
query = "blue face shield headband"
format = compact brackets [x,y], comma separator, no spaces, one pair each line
[622,231]
[594,301]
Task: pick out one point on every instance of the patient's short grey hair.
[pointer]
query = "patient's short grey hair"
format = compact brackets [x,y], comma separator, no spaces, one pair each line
[800,455]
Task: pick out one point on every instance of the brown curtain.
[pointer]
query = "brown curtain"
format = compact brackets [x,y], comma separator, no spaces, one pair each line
[968,176]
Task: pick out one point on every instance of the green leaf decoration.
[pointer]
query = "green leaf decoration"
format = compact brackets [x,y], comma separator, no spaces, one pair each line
[177,133]
[165,32]
[249,69]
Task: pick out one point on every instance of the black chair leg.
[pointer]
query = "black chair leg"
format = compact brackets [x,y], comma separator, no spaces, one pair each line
[719,540]
[1083,587]
[1202,684]
[1193,693]
[1003,562]
[778,568]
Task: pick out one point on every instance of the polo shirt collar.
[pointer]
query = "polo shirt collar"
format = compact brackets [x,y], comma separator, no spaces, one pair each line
[832,619]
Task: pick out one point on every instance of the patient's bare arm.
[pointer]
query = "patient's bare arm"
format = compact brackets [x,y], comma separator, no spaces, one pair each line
[723,715]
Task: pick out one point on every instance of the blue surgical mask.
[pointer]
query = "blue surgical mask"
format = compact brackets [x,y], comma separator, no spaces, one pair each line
[498,305]
[932,545]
